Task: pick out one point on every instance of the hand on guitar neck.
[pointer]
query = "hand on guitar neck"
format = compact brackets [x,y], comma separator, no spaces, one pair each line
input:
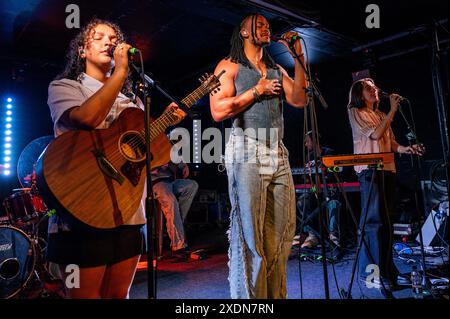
[175,110]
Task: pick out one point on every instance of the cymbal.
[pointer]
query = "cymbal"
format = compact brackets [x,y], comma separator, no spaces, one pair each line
[28,158]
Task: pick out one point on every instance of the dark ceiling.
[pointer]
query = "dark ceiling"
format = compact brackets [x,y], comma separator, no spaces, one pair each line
[182,38]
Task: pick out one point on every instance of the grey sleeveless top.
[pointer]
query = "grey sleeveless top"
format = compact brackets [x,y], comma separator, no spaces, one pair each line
[265,114]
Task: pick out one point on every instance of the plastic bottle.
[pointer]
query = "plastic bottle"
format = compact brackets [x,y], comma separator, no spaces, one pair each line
[416,281]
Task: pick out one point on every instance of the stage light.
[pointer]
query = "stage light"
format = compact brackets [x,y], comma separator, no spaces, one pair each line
[7,146]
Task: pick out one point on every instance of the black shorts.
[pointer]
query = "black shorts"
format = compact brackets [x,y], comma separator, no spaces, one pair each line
[91,249]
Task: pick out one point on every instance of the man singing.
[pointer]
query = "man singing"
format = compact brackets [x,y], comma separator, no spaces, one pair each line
[260,180]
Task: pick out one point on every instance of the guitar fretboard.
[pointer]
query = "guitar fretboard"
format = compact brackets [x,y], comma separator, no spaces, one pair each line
[168,118]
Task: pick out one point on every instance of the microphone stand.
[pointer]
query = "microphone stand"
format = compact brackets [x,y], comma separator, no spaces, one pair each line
[412,139]
[311,91]
[150,203]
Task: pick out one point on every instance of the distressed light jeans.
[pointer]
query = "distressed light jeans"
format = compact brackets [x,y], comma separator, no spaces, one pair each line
[262,224]
[175,199]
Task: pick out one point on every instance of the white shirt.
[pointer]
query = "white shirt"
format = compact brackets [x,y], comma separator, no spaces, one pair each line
[364,122]
[65,94]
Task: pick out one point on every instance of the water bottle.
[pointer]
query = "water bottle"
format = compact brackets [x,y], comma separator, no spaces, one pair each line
[416,281]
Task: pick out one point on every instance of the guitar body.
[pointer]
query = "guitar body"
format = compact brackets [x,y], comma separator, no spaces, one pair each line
[85,173]
[96,178]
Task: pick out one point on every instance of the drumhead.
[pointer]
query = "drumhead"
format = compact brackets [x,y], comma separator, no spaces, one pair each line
[17,261]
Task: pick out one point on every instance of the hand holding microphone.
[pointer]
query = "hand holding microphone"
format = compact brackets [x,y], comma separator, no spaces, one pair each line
[121,46]
[395,102]
[394,99]
[290,40]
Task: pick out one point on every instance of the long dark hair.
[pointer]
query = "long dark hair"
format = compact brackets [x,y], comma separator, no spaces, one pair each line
[355,97]
[76,65]
[237,54]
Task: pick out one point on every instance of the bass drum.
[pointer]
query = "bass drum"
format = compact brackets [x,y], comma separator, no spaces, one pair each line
[17,261]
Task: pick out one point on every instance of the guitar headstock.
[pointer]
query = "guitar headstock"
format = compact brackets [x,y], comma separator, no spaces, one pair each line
[211,83]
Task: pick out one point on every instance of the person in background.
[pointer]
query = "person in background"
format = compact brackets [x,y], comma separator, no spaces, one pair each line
[372,133]
[175,193]
[307,204]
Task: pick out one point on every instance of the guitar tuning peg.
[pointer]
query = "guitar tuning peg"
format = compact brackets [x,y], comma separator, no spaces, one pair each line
[200,80]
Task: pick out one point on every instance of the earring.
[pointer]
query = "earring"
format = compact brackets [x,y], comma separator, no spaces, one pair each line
[81,52]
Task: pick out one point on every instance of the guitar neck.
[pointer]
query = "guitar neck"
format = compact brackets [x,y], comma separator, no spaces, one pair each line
[168,118]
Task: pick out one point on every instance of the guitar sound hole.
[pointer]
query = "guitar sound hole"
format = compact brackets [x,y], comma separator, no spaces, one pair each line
[132,146]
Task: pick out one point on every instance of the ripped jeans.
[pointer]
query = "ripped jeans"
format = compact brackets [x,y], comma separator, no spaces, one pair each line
[262,219]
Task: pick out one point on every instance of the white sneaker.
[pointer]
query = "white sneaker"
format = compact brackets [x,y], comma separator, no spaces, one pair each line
[334,239]
[310,242]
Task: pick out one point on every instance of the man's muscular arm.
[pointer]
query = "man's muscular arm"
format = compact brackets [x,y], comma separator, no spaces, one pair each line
[225,104]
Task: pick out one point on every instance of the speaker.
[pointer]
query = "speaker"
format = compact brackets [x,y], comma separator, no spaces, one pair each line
[435,224]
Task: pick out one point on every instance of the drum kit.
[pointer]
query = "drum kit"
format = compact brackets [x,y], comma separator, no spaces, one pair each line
[23,221]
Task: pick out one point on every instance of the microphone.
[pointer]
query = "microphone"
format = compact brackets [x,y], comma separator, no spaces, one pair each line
[276,38]
[386,95]
[131,51]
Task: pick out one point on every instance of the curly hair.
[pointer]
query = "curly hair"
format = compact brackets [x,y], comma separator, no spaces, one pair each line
[237,54]
[76,65]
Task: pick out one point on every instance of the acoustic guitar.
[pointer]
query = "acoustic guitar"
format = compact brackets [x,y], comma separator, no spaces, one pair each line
[97,177]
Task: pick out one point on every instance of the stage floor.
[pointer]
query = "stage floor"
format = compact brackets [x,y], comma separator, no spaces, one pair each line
[207,279]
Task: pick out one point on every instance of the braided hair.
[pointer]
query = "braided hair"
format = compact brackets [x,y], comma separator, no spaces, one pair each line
[237,54]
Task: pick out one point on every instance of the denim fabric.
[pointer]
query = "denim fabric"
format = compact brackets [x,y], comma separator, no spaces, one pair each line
[267,114]
[175,199]
[262,219]
[378,230]
[307,205]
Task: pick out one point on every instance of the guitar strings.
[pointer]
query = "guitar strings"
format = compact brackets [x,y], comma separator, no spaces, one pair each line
[160,123]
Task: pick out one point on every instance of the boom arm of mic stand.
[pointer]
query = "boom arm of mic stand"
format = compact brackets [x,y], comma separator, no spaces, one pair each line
[314,87]
[154,84]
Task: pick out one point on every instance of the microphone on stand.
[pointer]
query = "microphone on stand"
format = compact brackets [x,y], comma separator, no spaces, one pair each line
[131,51]
[276,38]
[386,95]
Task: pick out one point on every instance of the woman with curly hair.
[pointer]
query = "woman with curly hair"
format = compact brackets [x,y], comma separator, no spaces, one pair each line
[90,94]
